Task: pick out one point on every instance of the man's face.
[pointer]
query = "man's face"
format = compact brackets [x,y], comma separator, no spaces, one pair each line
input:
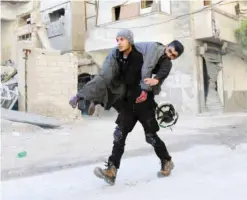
[123,44]
[171,53]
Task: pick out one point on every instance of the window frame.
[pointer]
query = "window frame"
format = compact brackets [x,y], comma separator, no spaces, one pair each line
[145,10]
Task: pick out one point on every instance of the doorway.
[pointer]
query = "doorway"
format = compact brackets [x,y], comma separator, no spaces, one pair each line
[212,81]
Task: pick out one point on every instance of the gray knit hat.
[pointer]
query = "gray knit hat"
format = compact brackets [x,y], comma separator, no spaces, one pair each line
[127,34]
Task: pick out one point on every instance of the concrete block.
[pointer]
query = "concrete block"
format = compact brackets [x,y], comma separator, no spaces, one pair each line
[41,62]
[85,61]
[55,69]
[52,63]
[47,52]
[29,118]
[52,82]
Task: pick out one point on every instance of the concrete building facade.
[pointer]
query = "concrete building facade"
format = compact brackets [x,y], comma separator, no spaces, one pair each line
[65,22]
[203,79]
[15,26]
[45,41]
[52,81]
[210,76]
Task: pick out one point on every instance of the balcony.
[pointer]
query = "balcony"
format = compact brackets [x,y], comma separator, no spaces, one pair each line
[215,25]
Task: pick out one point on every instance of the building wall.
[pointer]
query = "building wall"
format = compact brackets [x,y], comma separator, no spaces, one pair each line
[142,26]
[219,23]
[105,37]
[91,15]
[67,33]
[23,8]
[51,81]
[78,25]
[44,5]
[235,83]
[59,32]
[105,13]
[243,9]
[9,27]
[227,6]
[99,56]
[8,11]
[226,26]
[180,88]
[7,40]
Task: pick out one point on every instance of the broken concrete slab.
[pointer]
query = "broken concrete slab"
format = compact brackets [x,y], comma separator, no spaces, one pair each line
[7,73]
[9,95]
[14,128]
[38,120]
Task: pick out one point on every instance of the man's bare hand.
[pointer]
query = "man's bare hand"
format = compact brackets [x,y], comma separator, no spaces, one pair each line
[151,81]
[91,109]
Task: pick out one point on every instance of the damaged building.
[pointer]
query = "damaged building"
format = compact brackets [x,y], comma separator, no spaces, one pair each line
[211,76]
[60,45]
[45,41]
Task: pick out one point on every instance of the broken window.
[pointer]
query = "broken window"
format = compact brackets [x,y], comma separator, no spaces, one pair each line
[125,11]
[146,4]
[25,37]
[116,12]
[56,15]
[24,20]
[207,3]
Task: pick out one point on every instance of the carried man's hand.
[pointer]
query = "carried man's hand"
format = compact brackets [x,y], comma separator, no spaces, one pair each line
[151,81]
[74,101]
[91,109]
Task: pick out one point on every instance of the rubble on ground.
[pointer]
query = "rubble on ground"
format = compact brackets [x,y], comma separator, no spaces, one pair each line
[9,86]
[38,120]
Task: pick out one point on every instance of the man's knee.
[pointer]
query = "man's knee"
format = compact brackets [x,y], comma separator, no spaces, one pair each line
[117,134]
[153,139]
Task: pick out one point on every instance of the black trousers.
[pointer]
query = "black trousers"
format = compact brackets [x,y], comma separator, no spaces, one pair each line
[127,118]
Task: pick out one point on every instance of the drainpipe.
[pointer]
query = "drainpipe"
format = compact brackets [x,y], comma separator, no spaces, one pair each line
[196,71]
[26,52]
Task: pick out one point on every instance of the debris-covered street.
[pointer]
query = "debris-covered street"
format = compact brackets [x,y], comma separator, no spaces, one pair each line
[209,162]
[101,98]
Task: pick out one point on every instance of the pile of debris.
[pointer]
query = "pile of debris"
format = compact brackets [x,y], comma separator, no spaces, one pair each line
[9,86]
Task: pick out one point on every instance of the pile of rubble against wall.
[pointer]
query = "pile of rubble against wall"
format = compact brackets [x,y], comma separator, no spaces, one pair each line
[87,69]
[9,86]
[86,64]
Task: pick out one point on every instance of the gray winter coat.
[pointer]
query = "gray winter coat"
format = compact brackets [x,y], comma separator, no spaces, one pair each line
[106,87]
